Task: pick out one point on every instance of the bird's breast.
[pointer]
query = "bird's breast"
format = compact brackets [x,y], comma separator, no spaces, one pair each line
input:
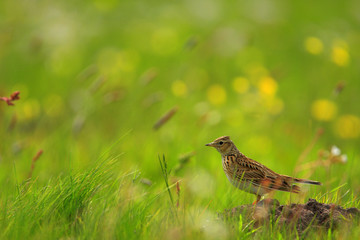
[227,164]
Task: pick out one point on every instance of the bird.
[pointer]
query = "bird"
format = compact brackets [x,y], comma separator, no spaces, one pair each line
[250,175]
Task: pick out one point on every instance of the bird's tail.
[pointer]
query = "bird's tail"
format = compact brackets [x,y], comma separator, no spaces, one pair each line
[306,181]
[289,187]
[285,183]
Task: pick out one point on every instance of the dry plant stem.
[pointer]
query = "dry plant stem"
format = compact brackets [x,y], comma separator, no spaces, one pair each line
[12,122]
[178,194]
[183,160]
[165,118]
[97,84]
[35,158]
[339,87]
[307,150]
[148,76]
[324,160]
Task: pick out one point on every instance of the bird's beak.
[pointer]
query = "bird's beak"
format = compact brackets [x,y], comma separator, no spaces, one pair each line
[210,144]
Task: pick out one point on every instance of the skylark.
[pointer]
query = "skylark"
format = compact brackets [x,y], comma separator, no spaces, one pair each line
[251,176]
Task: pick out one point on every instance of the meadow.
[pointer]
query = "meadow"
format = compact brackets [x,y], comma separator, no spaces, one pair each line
[119,98]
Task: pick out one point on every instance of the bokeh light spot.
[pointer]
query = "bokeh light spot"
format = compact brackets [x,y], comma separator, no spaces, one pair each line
[340,56]
[241,84]
[213,117]
[216,94]
[323,110]
[314,45]
[29,110]
[179,88]
[274,105]
[255,71]
[114,64]
[268,86]
[348,126]
[202,184]
[201,108]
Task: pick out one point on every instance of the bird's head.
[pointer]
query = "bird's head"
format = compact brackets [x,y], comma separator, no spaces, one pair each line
[223,144]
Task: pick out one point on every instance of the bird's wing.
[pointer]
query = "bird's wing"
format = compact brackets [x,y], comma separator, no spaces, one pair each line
[246,169]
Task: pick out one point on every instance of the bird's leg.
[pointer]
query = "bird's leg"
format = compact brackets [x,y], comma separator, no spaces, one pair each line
[257,200]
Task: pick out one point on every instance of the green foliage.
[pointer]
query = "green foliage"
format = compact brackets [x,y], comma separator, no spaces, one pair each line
[280,78]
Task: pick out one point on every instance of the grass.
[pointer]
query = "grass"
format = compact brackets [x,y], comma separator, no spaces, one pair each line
[98,204]
[163,78]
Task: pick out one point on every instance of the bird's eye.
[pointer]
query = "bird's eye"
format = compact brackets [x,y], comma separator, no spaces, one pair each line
[221,143]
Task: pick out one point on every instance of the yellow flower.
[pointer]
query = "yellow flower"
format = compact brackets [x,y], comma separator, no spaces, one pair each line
[340,53]
[241,84]
[340,56]
[323,110]
[348,126]
[179,88]
[216,94]
[314,45]
[268,86]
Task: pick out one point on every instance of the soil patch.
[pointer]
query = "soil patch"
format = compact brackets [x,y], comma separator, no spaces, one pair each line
[311,215]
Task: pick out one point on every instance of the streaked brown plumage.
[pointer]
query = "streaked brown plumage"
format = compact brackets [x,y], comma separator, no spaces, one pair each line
[251,176]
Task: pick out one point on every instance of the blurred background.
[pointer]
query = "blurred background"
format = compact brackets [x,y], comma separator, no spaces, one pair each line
[280,78]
